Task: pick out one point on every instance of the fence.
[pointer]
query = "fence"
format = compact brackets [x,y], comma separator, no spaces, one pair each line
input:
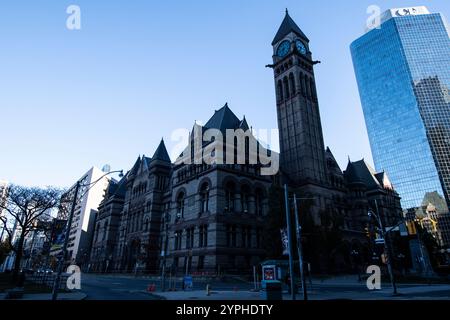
[47,279]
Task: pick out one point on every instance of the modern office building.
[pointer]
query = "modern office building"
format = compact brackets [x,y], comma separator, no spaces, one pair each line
[89,199]
[403,73]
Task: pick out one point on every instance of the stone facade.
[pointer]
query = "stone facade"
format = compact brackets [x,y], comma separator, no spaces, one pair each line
[198,217]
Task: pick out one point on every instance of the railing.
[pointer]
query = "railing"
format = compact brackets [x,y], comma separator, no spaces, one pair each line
[47,279]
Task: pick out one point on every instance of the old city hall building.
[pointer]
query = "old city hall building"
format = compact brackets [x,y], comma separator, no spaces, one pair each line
[211,217]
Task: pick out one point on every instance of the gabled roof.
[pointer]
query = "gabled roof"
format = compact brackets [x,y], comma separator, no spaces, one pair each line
[161,153]
[287,26]
[223,119]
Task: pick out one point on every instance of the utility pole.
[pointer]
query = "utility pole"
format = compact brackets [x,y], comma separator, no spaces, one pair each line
[288,222]
[62,258]
[300,249]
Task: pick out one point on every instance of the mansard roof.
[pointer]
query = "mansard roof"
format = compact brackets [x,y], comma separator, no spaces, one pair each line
[287,26]
[161,153]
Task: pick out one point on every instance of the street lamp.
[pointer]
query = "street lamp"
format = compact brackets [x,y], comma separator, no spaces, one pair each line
[386,245]
[63,255]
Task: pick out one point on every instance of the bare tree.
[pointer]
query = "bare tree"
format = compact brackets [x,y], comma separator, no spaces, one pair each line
[26,207]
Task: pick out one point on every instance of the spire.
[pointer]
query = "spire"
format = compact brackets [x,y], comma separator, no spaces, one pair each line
[161,153]
[287,26]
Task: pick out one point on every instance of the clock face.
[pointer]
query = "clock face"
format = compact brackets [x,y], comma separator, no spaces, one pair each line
[284,48]
[300,47]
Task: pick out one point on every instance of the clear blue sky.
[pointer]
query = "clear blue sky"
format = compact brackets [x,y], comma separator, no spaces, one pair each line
[140,69]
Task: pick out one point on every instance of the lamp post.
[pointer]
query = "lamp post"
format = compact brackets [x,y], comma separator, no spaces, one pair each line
[63,254]
[300,250]
[386,246]
[164,254]
[291,254]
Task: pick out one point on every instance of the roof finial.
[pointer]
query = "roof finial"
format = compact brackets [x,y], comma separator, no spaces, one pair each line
[287,11]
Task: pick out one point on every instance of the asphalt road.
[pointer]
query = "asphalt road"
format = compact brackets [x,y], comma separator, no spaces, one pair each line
[119,287]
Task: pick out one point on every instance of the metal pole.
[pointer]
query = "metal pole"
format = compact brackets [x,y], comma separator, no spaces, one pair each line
[254,278]
[387,248]
[288,223]
[66,242]
[300,249]
[163,276]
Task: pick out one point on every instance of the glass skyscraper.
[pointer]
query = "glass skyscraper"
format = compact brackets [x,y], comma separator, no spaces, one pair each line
[403,74]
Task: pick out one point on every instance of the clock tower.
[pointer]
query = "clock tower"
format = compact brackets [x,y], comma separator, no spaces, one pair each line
[302,156]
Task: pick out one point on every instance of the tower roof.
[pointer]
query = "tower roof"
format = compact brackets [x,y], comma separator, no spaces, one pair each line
[287,26]
[161,153]
[223,119]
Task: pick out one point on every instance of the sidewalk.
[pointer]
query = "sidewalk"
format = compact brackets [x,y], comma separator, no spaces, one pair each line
[48,296]
[406,293]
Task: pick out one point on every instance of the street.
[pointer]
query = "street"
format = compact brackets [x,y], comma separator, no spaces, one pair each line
[128,287]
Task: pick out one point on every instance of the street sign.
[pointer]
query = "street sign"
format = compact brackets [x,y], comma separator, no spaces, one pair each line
[188,283]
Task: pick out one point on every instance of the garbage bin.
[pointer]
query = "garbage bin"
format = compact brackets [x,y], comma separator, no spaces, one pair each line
[272,290]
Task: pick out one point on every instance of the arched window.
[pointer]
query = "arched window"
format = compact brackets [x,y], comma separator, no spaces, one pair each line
[280,90]
[245,198]
[292,83]
[286,87]
[180,205]
[204,198]
[146,224]
[229,197]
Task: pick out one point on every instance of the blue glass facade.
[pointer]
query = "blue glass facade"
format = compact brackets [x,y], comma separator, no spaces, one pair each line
[403,74]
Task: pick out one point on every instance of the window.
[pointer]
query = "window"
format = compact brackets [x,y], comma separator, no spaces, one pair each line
[286,87]
[229,197]
[201,262]
[204,198]
[178,240]
[244,237]
[245,199]
[180,206]
[259,202]
[203,236]
[105,229]
[190,238]
[231,236]
[292,83]
[280,90]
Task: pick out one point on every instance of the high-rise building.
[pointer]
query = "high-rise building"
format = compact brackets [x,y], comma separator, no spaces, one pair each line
[403,73]
[90,195]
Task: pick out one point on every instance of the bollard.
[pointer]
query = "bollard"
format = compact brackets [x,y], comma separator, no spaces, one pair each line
[208,290]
